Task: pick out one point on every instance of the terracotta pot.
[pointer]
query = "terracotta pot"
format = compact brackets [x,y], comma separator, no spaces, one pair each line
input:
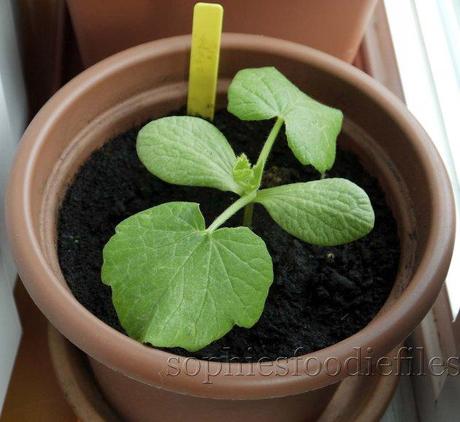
[150,80]
[105,27]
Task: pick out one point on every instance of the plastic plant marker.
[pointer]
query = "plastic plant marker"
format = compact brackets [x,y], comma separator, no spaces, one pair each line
[204,59]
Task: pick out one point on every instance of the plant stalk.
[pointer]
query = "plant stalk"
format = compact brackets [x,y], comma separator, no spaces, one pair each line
[231,210]
[260,166]
[246,200]
[247,216]
[261,161]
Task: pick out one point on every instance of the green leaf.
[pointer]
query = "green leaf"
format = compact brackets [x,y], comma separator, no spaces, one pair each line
[244,174]
[311,127]
[176,284]
[324,212]
[186,150]
[312,133]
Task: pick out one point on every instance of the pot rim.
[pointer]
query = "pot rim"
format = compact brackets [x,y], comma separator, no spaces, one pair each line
[146,364]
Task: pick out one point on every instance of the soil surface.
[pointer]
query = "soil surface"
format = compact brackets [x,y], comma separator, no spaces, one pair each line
[320,295]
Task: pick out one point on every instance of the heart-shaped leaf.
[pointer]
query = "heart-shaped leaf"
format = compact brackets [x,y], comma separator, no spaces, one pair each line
[311,127]
[176,284]
[186,150]
[323,212]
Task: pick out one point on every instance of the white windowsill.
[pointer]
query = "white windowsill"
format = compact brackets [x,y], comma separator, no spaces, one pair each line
[422,40]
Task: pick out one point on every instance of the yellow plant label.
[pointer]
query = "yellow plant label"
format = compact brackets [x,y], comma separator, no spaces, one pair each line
[204,59]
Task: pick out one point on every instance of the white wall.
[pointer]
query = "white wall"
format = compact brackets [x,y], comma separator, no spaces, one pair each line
[13,117]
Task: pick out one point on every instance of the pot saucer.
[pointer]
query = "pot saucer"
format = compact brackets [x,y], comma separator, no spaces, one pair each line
[358,398]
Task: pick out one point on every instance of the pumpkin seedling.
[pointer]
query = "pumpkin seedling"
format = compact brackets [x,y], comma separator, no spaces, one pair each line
[176,282]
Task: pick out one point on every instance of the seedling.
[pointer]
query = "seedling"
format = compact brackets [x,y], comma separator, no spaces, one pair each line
[176,282]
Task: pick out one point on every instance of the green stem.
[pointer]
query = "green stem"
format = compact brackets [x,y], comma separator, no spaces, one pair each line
[260,166]
[246,200]
[261,161]
[247,216]
[231,210]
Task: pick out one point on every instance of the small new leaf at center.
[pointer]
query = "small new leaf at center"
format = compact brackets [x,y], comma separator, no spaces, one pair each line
[244,174]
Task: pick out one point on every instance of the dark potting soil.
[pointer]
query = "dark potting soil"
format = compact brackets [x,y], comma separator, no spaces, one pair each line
[320,295]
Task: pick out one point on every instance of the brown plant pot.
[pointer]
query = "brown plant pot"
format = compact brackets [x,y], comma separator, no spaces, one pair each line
[357,399]
[105,27]
[130,87]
